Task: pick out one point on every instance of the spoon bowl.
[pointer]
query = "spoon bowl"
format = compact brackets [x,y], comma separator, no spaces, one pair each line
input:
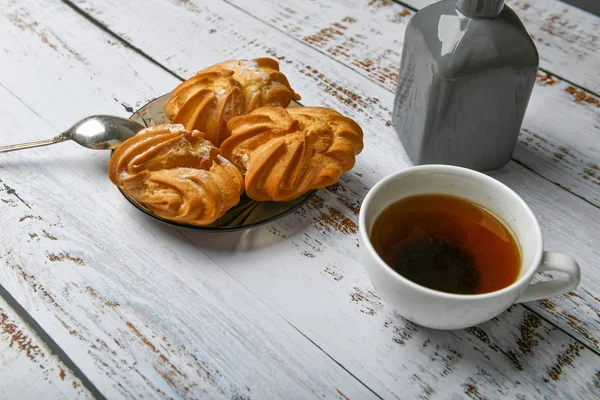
[102,132]
[98,132]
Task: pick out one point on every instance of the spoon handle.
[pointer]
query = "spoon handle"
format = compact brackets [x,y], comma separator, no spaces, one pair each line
[39,143]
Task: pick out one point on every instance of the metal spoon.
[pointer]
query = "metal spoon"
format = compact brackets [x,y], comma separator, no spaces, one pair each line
[99,132]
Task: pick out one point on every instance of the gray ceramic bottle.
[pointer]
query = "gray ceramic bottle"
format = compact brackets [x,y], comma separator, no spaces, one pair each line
[467,72]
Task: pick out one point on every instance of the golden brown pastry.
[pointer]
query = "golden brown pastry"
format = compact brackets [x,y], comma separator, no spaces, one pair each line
[284,153]
[218,93]
[177,174]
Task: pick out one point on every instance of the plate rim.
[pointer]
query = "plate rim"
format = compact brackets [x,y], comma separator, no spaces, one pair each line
[209,228]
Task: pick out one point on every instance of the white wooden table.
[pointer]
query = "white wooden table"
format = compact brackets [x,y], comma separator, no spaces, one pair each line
[100,301]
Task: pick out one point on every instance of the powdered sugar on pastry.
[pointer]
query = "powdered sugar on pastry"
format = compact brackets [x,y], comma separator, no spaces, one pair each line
[175,128]
[244,158]
[249,65]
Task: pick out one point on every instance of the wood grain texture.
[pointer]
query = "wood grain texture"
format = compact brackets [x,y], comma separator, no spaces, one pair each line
[566,221]
[28,366]
[142,313]
[568,38]
[157,310]
[367,36]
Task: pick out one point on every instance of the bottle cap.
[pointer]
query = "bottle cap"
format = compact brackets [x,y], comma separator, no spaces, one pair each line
[480,8]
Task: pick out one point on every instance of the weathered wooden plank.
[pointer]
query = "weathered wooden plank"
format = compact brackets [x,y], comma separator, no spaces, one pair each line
[367,36]
[357,325]
[325,83]
[142,313]
[567,37]
[319,288]
[27,365]
[369,320]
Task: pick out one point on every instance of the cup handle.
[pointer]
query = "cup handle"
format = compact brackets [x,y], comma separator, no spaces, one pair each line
[553,262]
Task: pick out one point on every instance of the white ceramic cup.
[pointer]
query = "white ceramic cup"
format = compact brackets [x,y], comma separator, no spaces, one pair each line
[440,310]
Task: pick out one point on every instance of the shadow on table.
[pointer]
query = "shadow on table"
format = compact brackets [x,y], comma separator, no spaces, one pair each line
[248,240]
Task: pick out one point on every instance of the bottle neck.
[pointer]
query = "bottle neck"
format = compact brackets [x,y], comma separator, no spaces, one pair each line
[480,8]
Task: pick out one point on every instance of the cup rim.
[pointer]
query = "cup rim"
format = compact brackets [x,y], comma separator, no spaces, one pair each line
[366,241]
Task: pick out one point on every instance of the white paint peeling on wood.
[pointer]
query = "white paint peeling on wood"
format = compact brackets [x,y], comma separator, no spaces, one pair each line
[367,36]
[27,365]
[26,37]
[151,317]
[325,83]
[164,322]
[148,310]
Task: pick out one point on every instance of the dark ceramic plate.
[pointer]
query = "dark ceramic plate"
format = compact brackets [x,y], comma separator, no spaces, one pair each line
[246,214]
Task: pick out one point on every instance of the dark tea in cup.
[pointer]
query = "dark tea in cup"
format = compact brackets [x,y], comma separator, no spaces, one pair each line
[463,233]
[447,243]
